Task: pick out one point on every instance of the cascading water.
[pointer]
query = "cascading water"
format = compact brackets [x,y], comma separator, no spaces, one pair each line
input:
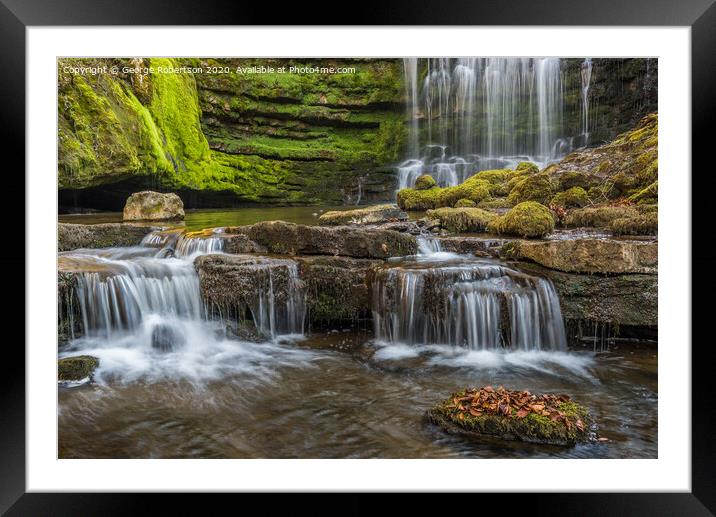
[586,75]
[472,114]
[148,297]
[457,300]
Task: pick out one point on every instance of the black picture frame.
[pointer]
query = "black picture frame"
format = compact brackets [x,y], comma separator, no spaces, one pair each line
[17,15]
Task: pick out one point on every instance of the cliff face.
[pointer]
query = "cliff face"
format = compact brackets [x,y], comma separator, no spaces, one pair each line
[267,137]
[219,139]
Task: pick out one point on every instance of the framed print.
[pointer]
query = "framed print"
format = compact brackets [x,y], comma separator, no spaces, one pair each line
[379,258]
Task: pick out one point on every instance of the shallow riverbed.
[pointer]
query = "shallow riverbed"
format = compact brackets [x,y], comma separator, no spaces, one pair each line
[339,395]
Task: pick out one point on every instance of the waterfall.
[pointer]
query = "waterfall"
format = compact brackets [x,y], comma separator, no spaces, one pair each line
[472,114]
[480,306]
[586,75]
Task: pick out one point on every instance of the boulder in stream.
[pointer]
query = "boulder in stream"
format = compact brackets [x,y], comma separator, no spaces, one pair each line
[166,339]
[76,368]
[514,415]
[73,236]
[153,206]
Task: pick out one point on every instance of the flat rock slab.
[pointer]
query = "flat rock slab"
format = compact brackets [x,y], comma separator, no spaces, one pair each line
[348,241]
[73,236]
[589,255]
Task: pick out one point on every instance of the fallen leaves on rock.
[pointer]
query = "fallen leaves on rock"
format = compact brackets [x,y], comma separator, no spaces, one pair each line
[512,404]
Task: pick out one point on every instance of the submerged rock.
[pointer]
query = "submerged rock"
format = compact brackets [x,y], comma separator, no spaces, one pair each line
[513,415]
[153,206]
[73,236]
[605,256]
[76,368]
[298,239]
[370,215]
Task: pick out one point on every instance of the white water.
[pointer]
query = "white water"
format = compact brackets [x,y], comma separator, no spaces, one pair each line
[471,114]
[586,75]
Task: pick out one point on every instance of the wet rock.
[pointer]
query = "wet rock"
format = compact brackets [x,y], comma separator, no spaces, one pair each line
[370,215]
[153,206]
[297,239]
[74,236]
[337,288]
[472,245]
[239,244]
[605,256]
[617,300]
[465,219]
[166,339]
[244,331]
[76,368]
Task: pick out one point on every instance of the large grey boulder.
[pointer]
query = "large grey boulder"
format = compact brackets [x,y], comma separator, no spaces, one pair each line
[153,206]
[107,235]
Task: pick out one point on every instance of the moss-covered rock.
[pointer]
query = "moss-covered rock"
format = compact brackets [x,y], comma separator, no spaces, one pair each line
[76,368]
[425,182]
[571,198]
[648,195]
[474,188]
[642,224]
[465,203]
[514,415]
[527,167]
[537,187]
[527,219]
[370,215]
[459,220]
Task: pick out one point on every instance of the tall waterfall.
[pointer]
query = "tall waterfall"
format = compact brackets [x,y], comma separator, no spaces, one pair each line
[471,114]
[586,75]
[481,306]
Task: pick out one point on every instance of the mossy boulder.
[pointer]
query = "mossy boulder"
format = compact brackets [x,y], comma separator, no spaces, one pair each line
[514,415]
[527,219]
[459,220]
[370,215]
[648,195]
[153,206]
[473,188]
[76,368]
[642,224]
[538,187]
[575,197]
[425,182]
[527,167]
[465,203]
[599,216]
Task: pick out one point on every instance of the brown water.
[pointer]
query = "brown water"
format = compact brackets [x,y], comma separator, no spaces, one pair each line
[337,395]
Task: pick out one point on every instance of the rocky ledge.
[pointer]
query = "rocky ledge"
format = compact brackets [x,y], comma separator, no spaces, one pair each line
[370,215]
[74,236]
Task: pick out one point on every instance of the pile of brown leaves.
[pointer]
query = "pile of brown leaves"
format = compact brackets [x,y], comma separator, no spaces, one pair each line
[511,404]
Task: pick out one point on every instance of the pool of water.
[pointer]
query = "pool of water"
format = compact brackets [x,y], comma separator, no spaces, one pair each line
[209,218]
[341,395]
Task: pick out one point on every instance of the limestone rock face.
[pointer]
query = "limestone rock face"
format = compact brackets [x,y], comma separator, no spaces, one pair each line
[370,215]
[590,255]
[298,239]
[153,206]
[73,236]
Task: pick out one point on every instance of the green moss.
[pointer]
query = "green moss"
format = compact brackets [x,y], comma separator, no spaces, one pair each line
[465,203]
[528,167]
[643,224]
[527,219]
[499,202]
[538,187]
[648,195]
[573,197]
[597,217]
[572,179]
[459,220]
[425,182]
[76,368]
[474,189]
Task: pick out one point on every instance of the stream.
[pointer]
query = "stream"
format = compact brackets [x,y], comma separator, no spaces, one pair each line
[173,383]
